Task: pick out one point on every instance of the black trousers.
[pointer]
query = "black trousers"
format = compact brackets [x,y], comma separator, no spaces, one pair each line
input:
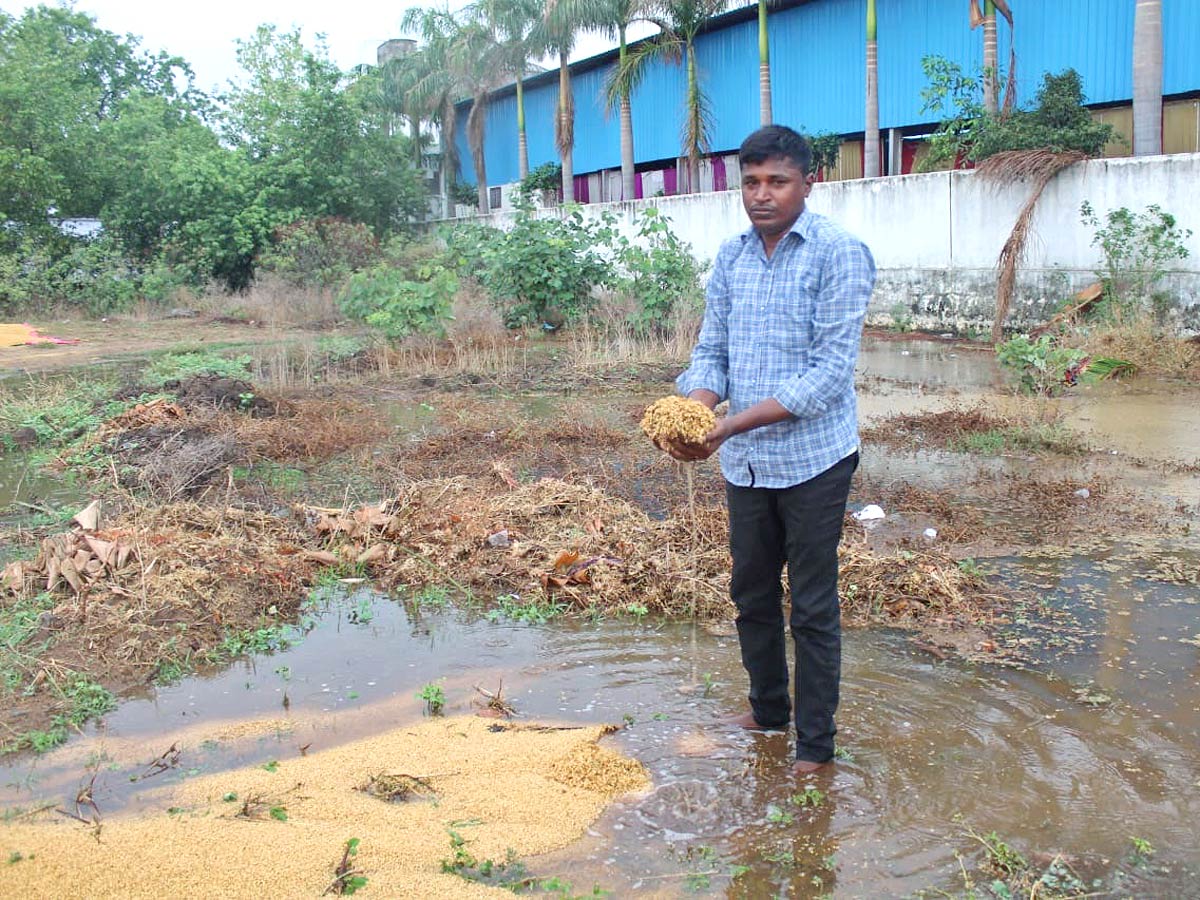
[800,526]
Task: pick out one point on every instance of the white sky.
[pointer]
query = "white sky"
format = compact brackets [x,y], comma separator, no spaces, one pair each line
[203,32]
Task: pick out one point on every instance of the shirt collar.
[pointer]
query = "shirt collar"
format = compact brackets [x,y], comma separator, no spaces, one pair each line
[802,226]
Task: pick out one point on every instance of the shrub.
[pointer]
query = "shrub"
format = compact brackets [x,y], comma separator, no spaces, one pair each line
[1042,365]
[660,273]
[1138,248]
[389,299]
[322,252]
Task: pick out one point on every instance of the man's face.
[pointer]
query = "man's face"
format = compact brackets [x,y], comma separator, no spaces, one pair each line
[773,192]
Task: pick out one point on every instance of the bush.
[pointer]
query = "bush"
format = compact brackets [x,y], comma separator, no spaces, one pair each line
[320,252]
[1043,365]
[542,271]
[389,299]
[1138,248]
[660,273]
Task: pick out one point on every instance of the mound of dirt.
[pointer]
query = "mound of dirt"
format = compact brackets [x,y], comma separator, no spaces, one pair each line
[222,392]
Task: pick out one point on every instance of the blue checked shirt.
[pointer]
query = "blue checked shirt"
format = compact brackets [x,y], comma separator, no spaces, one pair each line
[787,327]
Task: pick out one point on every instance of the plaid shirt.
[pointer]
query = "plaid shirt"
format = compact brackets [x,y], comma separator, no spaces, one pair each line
[787,327]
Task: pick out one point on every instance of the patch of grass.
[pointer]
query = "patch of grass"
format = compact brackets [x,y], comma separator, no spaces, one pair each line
[434,597]
[18,623]
[1029,438]
[56,411]
[270,474]
[268,639]
[83,698]
[178,366]
[530,611]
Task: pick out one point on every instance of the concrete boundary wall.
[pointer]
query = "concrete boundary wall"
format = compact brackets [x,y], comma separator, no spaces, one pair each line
[936,237]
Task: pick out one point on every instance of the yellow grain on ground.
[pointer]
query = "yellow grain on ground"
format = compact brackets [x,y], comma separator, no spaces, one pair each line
[526,788]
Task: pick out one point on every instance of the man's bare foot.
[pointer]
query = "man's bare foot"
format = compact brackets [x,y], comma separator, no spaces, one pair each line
[807,767]
[746,720]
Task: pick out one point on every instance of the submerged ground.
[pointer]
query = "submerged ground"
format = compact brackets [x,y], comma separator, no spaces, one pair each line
[306,556]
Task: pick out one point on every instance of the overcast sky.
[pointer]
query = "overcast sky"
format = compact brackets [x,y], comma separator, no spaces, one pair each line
[203,32]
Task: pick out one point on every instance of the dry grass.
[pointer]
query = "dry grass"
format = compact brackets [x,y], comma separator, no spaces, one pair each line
[273,302]
[1142,343]
[1038,167]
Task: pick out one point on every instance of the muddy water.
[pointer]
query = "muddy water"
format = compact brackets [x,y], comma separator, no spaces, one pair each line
[936,749]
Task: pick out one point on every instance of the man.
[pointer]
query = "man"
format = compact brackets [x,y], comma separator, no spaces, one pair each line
[782,321]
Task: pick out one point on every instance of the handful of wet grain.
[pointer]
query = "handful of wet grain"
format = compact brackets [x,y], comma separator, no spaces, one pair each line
[678,419]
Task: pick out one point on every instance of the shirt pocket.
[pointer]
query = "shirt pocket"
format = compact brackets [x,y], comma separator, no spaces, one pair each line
[793,303]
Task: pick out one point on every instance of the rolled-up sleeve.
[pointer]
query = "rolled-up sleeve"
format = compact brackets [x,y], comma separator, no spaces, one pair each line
[847,280]
[709,365]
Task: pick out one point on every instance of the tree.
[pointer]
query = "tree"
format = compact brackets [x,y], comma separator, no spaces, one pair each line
[991,56]
[558,30]
[764,66]
[871,166]
[435,89]
[61,79]
[476,64]
[614,17]
[680,25]
[1147,78]
[514,26]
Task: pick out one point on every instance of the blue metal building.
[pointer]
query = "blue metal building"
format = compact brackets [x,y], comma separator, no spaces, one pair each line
[818,62]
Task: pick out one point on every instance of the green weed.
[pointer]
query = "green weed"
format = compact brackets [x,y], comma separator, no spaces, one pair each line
[434,596]
[809,797]
[179,366]
[777,815]
[531,611]
[434,697]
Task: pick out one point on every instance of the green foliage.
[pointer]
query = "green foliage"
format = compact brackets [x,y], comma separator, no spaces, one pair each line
[1058,122]
[267,639]
[542,270]
[660,273]
[18,623]
[825,149]
[545,179]
[83,698]
[189,363]
[389,299]
[1041,365]
[1138,250]
[464,194]
[322,252]
[55,417]
[530,611]
[434,697]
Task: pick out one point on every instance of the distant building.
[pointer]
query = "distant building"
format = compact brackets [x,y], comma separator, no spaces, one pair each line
[818,72]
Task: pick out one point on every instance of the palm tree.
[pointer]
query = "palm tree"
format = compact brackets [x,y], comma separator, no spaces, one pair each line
[991,53]
[1147,78]
[475,62]
[434,88]
[682,21]
[871,167]
[557,34]
[514,25]
[764,66]
[614,18]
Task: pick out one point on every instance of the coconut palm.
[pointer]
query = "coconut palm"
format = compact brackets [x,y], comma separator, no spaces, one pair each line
[514,25]
[764,66]
[680,24]
[871,167]
[434,87]
[1147,78]
[991,54]
[614,18]
[476,63]
[557,32]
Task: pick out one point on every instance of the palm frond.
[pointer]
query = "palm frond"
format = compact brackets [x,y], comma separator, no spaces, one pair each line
[622,81]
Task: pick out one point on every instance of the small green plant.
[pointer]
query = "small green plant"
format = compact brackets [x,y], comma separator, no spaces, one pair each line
[1001,857]
[1042,365]
[531,611]
[843,754]
[180,366]
[710,684]
[969,567]
[434,596]
[1138,249]
[809,797]
[347,879]
[1142,847]
[777,815]
[272,766]
[434,697]
[901,317]
[639,611]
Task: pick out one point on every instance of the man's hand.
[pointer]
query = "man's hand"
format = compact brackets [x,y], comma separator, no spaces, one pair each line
[696,452]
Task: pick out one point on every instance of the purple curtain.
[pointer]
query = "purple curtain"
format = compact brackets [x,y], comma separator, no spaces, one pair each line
[670,178]
[718,166]
[637,186]
[581,189]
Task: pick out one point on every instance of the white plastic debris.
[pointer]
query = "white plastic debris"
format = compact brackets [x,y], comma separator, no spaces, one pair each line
[499,540]
[930,533]
[1084,493]
[870,513]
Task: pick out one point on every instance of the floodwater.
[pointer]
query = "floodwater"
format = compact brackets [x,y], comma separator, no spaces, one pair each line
[1073,762]
[1072,757]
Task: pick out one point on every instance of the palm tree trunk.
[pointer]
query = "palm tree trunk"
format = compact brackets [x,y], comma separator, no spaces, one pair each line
[449,123]
[764,66]
[565,131]
[871,168]
[476,120]
[628,180]
[991,57]
[1147,78]
[696,127]
[522,145]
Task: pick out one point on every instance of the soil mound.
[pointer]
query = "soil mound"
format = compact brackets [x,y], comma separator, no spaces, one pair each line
[222,392]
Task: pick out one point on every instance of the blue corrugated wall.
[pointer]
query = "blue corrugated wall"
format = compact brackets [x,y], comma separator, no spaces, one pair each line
[818,78]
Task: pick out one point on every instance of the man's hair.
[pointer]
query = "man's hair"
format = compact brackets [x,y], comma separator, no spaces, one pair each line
[776,142]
